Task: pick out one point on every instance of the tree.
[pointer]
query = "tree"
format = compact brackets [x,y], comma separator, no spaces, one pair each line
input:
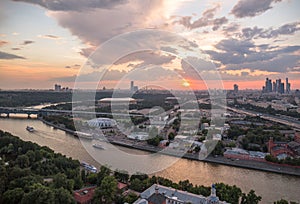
[171,136]
[136,185]
[38,194]
[228,193]
[104,171]
[62,195]
[83,175]
[60,180]
[121,176]
[92,178]
[78,182]
[13,196]
[107,191]
[130,198]
[281,201]
[22,161]
[250,198]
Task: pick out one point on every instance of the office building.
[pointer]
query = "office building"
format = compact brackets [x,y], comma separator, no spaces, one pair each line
[288,86]
[235,88]
[133,88]
[57,87]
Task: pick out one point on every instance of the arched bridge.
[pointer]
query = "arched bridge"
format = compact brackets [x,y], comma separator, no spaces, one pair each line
[35,111]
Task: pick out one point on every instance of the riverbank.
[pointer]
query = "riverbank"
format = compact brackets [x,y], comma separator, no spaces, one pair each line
[246,164]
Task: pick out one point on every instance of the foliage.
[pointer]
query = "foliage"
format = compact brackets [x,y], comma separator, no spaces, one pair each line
[154,141]
[288,160]
[228,193]
[104,172]
[61,120]
[107,191]
[22,180]
[121,176]
[250,198]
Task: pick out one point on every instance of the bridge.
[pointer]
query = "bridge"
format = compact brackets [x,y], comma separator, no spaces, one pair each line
[34,111]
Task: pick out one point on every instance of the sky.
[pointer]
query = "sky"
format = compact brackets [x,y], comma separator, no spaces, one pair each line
[194,44]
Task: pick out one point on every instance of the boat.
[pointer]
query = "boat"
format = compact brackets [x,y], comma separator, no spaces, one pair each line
[29,128]
[89,167]
[99,146]
[83,135]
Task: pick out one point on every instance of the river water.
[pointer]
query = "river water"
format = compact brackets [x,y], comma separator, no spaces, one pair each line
[270,186]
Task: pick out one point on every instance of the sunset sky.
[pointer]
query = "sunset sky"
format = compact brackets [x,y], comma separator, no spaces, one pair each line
[43,42]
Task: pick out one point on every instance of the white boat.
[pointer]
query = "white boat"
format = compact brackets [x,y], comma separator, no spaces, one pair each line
[99,146]
[29,128]
[84,135]
[89,167]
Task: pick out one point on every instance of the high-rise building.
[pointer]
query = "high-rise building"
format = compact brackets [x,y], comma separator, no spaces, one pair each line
[288,86]
[274,87]
[57,87]
[277,86]
[131,86]
[235,88]
[268,86]
[281,88]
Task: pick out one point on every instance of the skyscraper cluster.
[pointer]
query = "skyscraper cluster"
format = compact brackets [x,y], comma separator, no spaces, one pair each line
[277,86]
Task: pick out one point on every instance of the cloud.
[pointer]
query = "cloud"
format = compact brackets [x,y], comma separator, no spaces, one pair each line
[75,66]
[27,42]
[282,64]
[3,43]
[49,36]
[207,19]
[92,27]
[8,56]
[147,58]
[237,54]
[251,8]
[74,5]
[255,32]
[16,48]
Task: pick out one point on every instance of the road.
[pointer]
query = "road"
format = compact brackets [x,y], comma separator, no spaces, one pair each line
[282,120]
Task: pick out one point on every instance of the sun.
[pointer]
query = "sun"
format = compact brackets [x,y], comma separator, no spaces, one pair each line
[185,84]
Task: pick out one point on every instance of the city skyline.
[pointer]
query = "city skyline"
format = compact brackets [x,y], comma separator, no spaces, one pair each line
[247,42]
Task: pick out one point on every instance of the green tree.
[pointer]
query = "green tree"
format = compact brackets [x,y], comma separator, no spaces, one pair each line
[38,194]
[22,161]
[171,136]
[250,198]
[136,185]
[281,201]
[121,176]
[78,183]
[62,195]
[83,175]
[13,196]
[104,171]
[91,178]
[130,198]
[228,193]
[60,180]
[107,191]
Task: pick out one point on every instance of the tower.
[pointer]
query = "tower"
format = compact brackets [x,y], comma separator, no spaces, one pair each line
[288,86]
[132,86]
[213,199]
[235,88]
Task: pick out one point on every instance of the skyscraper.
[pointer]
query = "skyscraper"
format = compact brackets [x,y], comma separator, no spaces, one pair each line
[268,86]
[235,88]
[288,86]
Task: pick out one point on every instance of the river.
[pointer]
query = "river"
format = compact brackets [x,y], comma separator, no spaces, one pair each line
[270,186]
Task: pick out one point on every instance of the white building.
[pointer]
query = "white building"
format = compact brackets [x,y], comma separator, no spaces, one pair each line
[102,123]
